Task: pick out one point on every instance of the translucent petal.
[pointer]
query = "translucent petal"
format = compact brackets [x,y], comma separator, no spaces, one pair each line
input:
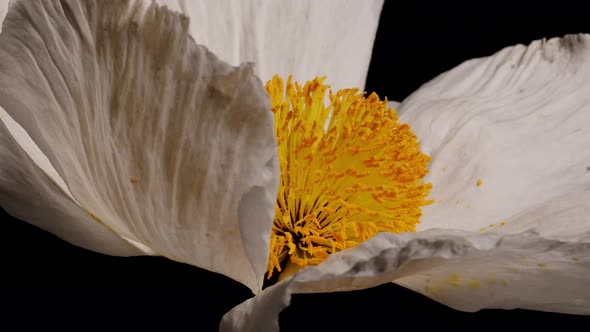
[506,133]
[466,271]
[33,193]
[154,136]
[306,38]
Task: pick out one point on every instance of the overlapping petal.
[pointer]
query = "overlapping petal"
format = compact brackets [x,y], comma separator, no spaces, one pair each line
[305,38]
[165,149]
[517,238]
[156,138]
[464,270]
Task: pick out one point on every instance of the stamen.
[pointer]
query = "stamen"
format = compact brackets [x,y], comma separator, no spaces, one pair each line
[349,170]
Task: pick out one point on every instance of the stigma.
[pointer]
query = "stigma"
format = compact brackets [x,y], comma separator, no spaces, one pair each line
[349,170]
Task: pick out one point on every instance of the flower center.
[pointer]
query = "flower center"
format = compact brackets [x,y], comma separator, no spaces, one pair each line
[349,170]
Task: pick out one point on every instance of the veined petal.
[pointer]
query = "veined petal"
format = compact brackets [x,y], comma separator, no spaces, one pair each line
[467,271]
[506,133]
[31,190]
[305,38]
[154,136]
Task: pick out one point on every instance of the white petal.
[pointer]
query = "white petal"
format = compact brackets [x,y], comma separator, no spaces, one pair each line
[31,193]
[517,120]
[464,270]
[3,10]
[168,146]
[306,38]
[526,270]
[393,104]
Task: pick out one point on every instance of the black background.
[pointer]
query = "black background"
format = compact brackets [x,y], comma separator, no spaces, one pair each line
[47,281]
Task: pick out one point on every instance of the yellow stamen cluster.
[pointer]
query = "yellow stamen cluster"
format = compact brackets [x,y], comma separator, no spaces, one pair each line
[348,171]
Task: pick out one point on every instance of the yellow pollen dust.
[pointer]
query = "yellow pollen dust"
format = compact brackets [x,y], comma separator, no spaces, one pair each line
[349,170]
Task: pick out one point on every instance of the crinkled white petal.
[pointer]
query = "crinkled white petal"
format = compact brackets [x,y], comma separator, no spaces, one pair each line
[305,38]
[519,121]
[155,137]
[467,271]
[34,193]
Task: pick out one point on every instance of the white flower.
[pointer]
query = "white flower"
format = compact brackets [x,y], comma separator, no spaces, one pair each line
[148,144]
[121,135]
[510,226]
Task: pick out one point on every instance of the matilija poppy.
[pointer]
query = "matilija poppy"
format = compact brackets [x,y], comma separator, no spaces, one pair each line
[146,143]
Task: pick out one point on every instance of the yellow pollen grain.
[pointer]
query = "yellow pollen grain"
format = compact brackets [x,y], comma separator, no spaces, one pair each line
[541,265]
[454,279]
[479,182]
[349,170]
[474,284]
[134,179]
